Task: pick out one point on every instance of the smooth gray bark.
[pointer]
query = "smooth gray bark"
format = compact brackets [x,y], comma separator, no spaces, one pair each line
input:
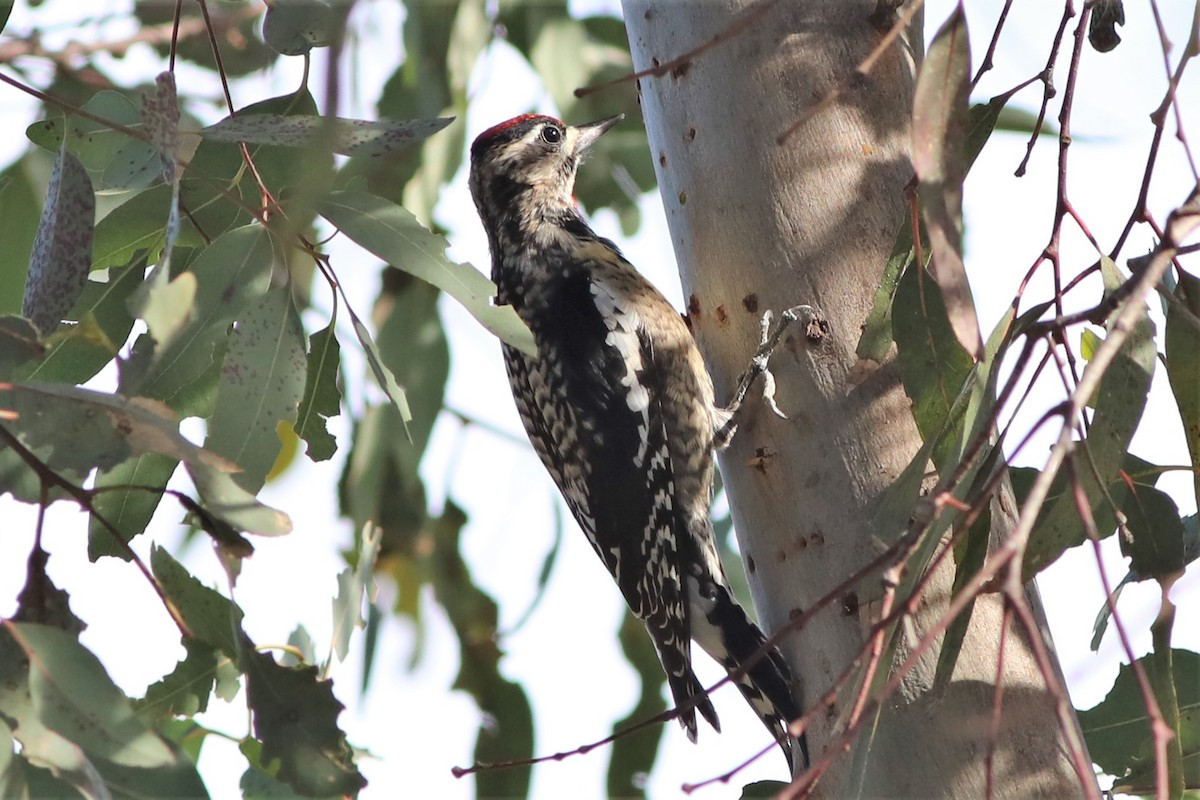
[756,225]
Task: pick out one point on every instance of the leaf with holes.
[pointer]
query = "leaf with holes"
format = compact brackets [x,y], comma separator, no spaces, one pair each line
[940,121]
[62,251]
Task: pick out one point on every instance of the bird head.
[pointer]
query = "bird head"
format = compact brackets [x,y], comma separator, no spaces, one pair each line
[523,170]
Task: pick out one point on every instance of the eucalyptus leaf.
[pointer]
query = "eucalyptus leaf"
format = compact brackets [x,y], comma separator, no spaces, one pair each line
[322,399]
[355,585]
[113,428]
[348,137]
[74,696]
[940,120]
[294,27]
[295,718]
[394,235]
[261,385]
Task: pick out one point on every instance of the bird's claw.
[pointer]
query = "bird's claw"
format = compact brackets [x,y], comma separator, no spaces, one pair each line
[769,393]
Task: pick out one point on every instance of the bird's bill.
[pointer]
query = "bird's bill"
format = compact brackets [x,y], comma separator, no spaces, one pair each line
[589,133]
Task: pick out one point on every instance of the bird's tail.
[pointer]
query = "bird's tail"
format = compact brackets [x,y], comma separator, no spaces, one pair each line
[689,694]
[731,638]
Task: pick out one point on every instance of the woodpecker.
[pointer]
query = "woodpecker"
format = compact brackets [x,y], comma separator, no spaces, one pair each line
[620,408]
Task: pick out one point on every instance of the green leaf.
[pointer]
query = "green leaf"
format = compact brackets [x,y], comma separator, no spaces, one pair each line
[1102,26]
[969,559]
[185,692]
[507,733]
[1089,340]
[940,120]
[393,234]
[127,510]
[1182,343]
[300,639]
[168,304]
[79,429]
[257,785]
[294,27]
[1119,404]
[232,271]
[179,779]
[762,789]
[75,353]
[876,340]
[412,344]
[380,484]
[41,601]
[1117,730]
[218,189]
[62,251]
[19,344]
[22,191]
[138,226]
[1156,548]
[348,137]
[982,119]
[322,399]
[112,158]
[383,376]
[40,745]
[634,754]
[211,617]
[932,363]
[12,766]
[261,385]
[295,718]
[74,696]
[354,585]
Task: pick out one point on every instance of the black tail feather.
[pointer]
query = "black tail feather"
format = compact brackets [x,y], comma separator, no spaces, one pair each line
[686,689]
[767,683]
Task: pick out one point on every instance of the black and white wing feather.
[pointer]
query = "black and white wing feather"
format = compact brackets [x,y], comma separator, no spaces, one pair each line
[608,452]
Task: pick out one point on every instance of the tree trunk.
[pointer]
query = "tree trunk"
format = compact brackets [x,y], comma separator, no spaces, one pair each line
[755,226]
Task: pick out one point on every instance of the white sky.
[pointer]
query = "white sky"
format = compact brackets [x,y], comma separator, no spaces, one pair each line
[567,656]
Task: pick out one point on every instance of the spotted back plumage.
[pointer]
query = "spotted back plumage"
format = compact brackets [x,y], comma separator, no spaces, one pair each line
[619,407]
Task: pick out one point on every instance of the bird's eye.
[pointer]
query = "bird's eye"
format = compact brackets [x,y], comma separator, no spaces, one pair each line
[551,135]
